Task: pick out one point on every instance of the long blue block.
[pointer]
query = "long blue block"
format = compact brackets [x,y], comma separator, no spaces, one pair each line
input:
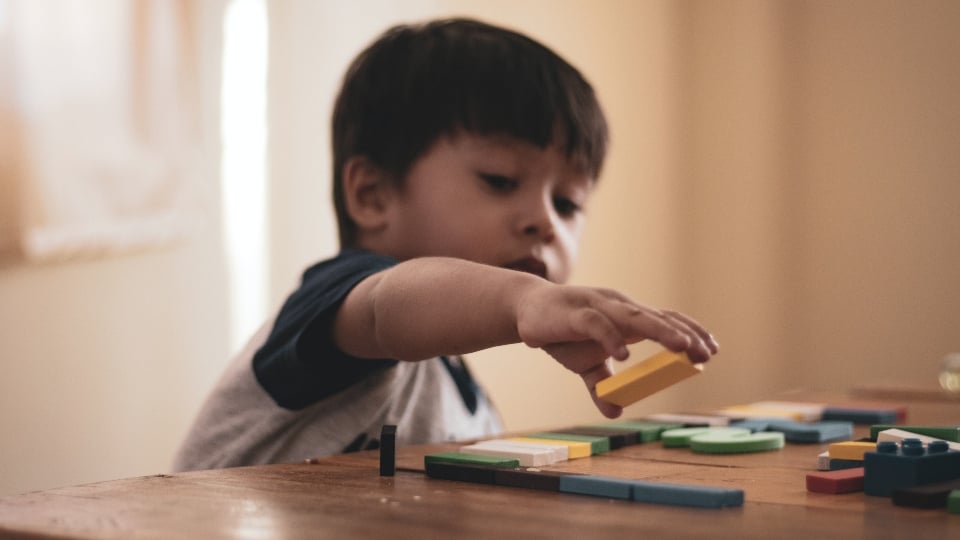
[598,486]
[814,432]
[652,492]
[685,495]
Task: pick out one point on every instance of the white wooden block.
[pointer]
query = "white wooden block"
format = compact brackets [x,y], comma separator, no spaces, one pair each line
[527,457]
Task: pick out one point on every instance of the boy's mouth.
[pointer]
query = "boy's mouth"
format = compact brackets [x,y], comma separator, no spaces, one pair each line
[530,265]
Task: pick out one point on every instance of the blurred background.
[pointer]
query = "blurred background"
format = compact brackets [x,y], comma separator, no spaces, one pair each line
[787,172]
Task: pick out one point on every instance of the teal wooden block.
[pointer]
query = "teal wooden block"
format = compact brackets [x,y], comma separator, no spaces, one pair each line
[597,486]
[686,495]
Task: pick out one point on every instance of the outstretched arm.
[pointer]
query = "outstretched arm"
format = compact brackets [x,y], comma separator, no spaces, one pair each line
[428,307]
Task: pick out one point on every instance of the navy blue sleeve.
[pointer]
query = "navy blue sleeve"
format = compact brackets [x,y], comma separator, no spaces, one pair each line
[299,364]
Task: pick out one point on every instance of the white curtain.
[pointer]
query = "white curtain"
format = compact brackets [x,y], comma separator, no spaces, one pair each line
[99,125]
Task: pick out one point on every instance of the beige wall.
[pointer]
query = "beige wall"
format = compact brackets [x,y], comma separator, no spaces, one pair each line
[787,172]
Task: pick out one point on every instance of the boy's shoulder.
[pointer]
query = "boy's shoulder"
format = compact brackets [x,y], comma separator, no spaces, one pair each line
[348,261]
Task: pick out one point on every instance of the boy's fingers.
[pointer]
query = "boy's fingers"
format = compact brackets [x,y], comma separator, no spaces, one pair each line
[597,327]
[707,337]
[591,378]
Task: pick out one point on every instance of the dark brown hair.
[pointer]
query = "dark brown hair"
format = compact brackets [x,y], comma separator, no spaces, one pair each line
[416,83]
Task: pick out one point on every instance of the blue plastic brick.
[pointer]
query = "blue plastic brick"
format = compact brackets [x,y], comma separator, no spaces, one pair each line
[892,467]
[814,432]
[598,486]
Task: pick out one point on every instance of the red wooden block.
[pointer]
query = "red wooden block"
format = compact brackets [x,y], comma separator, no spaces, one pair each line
[840,481]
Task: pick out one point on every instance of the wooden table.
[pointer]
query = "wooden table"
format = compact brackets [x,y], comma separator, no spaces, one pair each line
[344,497]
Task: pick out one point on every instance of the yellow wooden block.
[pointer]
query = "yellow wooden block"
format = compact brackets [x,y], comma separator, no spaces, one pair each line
[652,375]
[750,411]
[575,449]
[853,450]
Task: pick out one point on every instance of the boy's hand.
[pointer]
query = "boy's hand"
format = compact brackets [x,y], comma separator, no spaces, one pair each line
[581,327]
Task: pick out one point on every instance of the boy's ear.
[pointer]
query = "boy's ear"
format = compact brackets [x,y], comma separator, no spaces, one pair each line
[367,191]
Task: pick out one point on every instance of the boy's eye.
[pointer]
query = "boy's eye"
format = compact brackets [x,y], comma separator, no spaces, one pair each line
[499,182]
[566,207]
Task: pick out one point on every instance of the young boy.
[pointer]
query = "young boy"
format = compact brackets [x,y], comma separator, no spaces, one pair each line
[464,155]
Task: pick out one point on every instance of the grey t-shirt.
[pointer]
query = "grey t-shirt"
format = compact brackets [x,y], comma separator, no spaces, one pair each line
[292,395]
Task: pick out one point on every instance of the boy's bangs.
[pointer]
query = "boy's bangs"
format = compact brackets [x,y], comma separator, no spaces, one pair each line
[519,88]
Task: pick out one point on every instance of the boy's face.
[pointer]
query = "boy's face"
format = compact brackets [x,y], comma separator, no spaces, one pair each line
[494,200]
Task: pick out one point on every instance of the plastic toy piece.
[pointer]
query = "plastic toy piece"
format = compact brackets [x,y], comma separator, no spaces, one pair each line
[388,450]
[953,502]
[842,481]
[814,432]
[650,376]
[528,457]
[678,438]
[470,459]
[852,450]
[945,433]
[598,445]
[652,492]
[898,435]
[735,443]
[575,449]
[928,496]
[863,415]
[892,467]
[645,430]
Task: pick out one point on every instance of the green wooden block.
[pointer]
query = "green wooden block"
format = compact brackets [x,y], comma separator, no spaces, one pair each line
[733,443]
[646,431]
[679,438]
[598,445]
[953,502]
[470,459]
[947,433]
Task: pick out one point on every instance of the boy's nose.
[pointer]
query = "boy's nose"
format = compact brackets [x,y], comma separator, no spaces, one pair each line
[538,223]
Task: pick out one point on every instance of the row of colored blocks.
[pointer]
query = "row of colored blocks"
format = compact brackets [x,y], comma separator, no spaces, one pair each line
[473,462]
[507,472]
